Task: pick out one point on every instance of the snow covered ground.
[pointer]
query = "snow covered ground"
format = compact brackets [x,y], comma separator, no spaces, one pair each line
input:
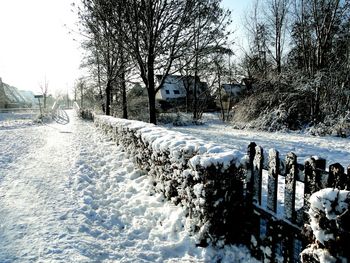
[69,195]
[15,120]
[333,149]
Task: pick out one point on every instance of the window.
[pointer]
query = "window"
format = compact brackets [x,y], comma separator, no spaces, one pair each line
[176,91]
[167,91]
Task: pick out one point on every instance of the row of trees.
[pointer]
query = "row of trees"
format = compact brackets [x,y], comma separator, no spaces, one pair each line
[305,43]
[132,40]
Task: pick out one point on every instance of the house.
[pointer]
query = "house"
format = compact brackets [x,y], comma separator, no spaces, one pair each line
[176,92]
[233,90]
[179,87]
[11,97]
[172,89]
[230,94]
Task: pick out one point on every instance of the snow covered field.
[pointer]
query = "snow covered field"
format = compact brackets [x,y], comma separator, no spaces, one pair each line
[333,149]
[69,195]
[15,120]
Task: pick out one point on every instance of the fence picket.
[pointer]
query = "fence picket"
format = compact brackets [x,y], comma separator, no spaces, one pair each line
[321,174]
[336,177]
[312,183]
[289,192]
[272,185]
[310,178]
[257,174]
[348,176]
[250,164]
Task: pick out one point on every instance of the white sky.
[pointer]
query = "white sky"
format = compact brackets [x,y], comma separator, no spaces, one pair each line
[35,44]
[238,9]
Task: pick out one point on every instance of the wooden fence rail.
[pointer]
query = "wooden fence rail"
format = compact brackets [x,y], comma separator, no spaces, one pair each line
[280,236]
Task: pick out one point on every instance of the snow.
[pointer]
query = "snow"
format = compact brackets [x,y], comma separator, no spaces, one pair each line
[14,120]
[333,149]
[177,144]
[331,203]
[176,162]
[68,194]
[329,214]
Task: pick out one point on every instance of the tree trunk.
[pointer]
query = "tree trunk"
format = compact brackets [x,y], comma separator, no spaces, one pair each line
[99,83]
[81,95]
[151,88]
[124,102]
[152,104]
[108,98]
[44,101]
[220,95]
[195,99]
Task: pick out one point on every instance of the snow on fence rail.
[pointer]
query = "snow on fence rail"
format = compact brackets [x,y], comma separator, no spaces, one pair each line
[232,196]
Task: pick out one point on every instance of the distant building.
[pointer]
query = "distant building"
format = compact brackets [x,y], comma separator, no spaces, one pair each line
[230,94]
[177,87]
[11,97]
[233,90]
[176,92]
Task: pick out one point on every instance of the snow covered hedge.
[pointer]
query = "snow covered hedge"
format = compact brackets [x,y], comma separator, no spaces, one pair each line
[204,178]
[330,224]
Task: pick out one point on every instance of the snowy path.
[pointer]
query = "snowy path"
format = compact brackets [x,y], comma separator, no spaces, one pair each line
[69,195]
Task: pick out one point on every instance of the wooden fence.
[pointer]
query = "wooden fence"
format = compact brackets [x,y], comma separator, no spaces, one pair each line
[277,227]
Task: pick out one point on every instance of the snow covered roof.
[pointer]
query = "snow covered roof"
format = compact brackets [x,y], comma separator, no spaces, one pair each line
[11,97]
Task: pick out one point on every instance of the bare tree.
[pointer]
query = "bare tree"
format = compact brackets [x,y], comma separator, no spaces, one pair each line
[209,30]
[277,11]
[97,17]
[44,87]
[149,36]
[317,32]
[257,58]
[154,34]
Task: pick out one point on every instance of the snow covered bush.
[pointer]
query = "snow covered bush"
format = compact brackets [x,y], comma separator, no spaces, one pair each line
[330,224]
[204,178]
[335,126]
[272,106]
[86,114]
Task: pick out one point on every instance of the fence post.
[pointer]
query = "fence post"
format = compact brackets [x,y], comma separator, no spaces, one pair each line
[272,185]
[257,174]
[348,176]
[320,172]
[312,178]
[253,219]
[337,178]
[289,193]
[250,173]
